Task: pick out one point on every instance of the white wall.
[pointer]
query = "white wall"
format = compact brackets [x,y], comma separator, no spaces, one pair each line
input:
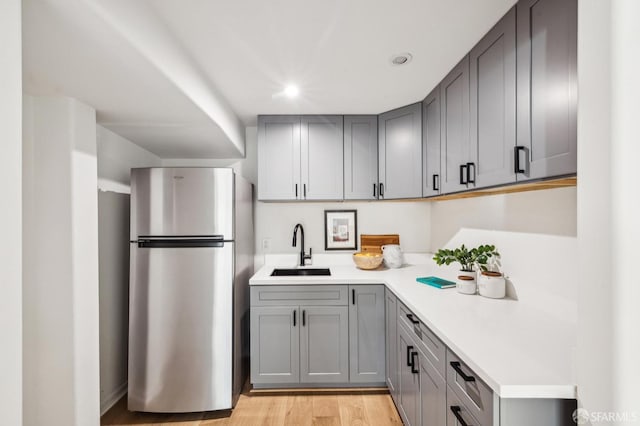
[550,211]
[11,213]
[116,157]
[60,253]
[608,209]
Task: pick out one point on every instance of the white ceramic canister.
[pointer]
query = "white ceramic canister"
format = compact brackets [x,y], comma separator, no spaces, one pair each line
[466,282]
[491,284]
[392,255]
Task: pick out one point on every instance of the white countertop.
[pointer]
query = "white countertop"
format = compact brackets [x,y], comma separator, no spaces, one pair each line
[518,350]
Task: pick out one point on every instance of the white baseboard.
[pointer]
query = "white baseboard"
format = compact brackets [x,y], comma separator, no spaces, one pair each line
[110,400]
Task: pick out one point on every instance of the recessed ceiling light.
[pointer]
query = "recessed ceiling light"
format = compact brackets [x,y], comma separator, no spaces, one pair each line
[401,58]
[291,91]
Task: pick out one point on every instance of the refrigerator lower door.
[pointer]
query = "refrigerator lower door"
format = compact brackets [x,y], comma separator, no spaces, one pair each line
[180,328]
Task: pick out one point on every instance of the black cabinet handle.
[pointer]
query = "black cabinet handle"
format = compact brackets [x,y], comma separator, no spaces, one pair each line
[412,319]
[516,161]
[353,296]
[304,189]
[381,189]
[456,366]
[414,369]
[469,179]
[296,190]
[436,182]
[294,317]
[374,190]
[304,318]
[456,412]
[409,349]
[463,174]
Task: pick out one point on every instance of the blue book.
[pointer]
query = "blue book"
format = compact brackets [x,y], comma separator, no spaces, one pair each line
[436,282]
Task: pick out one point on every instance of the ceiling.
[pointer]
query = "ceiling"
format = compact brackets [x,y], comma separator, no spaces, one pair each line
[182,79]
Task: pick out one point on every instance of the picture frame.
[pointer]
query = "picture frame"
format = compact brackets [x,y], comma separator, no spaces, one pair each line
[340,229]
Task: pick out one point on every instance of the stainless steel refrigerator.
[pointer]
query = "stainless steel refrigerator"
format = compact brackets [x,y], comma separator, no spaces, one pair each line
[191,260]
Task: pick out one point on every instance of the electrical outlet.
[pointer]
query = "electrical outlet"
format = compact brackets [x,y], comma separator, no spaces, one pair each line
[266,244]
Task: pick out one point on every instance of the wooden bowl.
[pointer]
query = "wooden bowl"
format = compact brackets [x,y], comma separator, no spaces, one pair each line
[367,260]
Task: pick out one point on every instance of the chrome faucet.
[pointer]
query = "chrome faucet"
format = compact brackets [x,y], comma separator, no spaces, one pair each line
[303,255]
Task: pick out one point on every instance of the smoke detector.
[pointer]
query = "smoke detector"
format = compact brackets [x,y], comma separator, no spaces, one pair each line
[401,58]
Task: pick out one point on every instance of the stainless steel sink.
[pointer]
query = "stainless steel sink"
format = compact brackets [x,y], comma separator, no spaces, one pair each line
[300,272]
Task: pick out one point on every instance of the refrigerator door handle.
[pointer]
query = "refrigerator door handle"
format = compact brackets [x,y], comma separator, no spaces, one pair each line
[178,242]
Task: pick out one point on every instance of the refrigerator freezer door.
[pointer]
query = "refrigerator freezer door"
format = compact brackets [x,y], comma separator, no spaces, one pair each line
[180,328]
[182,202]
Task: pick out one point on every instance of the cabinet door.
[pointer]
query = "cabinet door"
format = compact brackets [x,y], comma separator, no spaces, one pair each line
[400,152]
[547,87]
[433,394]
[275,344]
[366,334]
[492,80]
[431,144]
[322,157]
[279,158]
[409,380]
[392,343]
[361,157]
[454,103]
[324,344]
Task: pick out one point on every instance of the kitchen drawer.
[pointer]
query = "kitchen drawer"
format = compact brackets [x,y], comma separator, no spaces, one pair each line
[308,295]
[433,348]
[476,396]
[456,406]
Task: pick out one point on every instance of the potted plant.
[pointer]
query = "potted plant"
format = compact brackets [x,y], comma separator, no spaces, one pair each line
[468,259]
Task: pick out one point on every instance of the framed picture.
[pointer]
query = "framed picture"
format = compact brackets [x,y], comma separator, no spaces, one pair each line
[340,230]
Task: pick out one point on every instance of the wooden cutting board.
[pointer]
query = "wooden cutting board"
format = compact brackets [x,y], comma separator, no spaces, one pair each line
[370,243]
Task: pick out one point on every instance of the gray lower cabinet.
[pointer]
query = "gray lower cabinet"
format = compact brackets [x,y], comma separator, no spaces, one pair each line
[366,339]
[454,125]
[391,328]
[275,344]
[433,393]
[492,80]
[408,402]
[360,157]
[324,344]
[400,153]
[547,88]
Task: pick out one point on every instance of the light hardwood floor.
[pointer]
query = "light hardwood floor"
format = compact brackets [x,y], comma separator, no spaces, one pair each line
[338,408]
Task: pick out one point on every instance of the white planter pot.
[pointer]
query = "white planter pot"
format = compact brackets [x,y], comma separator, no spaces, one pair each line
[491,284]
[466,282]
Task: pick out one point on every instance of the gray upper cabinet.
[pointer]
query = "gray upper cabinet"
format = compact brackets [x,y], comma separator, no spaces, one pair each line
[400,152]
[367,334]
[431,144]
[321,154]
[300,158]
[274,345]
[279,157]
[361,157]
[547,88]
[454,112]
[492,80]
[392,343]
[324,344]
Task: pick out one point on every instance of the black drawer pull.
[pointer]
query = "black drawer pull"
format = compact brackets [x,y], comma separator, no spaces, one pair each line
[374,190]
[409,349]
[463,174]
[414,369]
[469,180]
[436,182]
[304,187]
[516,153]
[412,319]
[456,366]
[294,317]
[304,318]
[353,296]
[456,412]
[381,192]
